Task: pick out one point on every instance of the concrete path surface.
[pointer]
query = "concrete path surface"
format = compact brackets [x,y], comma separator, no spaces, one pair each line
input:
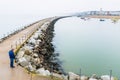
[17,73]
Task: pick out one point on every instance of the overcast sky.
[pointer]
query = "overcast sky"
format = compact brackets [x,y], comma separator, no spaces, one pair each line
[55,6]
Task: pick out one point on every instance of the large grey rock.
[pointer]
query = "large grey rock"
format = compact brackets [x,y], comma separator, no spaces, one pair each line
[59,76]
[35,55]
[94,76]
[35,36]
[38,42]
[35,61]
[43,72]
[39,31]
[73,76]
[28,57]
[27,52]
[23,62]
[44,27]
[28,47]
[44,51]
[92,79]
[84,78]
[20,54]
[46,23]
[106,77]
[32,41]
[36,46]
[65,77]
[41,35]
[30,68]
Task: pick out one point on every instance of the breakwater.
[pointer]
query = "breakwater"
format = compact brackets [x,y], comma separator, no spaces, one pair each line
[38,56]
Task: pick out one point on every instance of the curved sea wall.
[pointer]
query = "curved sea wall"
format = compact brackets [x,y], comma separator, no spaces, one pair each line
[38,55]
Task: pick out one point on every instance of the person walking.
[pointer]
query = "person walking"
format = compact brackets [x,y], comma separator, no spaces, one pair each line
[12,57]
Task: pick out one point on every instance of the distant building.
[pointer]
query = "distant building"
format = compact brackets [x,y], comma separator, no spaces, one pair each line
[104,13]
[115,13]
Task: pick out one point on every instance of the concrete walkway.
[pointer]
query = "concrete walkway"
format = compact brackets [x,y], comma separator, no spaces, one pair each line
[17,73]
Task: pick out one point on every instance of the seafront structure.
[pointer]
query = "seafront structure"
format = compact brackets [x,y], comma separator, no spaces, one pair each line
[100,13]
[34,55]
[17,40]
[113,15]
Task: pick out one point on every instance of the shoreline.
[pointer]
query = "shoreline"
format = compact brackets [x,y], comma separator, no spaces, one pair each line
[102,16]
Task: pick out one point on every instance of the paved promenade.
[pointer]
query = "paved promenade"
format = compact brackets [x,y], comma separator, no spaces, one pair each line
[17,73]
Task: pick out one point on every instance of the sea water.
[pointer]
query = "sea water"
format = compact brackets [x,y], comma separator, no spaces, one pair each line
[92,46]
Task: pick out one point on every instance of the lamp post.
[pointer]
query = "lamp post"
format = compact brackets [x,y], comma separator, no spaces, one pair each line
[19,41]
[3,35]
[11,46]
[16,44]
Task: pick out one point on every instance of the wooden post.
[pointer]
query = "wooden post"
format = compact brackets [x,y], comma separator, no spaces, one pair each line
[110,74]
[22,38]
[51,71]
[80,73]
[25,36]
[19,41]
[11,46]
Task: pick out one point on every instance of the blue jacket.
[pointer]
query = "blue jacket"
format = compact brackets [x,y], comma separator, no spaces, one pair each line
[11,54]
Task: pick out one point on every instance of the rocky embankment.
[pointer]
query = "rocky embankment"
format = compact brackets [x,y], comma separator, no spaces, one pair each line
[38,56]
[73,76]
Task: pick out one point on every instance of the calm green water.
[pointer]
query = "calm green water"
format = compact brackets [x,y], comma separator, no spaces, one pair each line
[92,46]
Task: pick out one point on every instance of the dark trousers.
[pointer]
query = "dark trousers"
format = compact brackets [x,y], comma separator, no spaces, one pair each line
[11,62]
